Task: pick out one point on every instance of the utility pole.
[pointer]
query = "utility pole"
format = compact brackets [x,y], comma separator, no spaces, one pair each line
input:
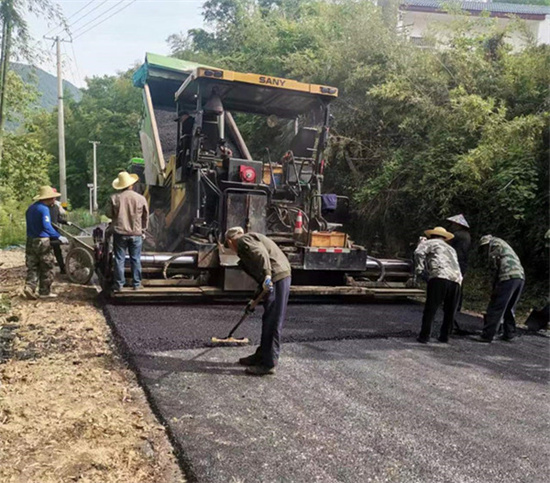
[60,123]
[95,143]
[90,190]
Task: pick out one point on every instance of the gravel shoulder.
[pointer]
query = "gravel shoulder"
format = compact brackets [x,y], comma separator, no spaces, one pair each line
[70,408]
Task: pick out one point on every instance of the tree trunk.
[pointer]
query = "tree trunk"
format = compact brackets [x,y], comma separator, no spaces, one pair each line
[4,64]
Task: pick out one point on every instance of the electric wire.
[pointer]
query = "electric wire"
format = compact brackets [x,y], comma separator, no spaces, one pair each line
[67,27]
[102,14]
[104,20]
[80,9]
[80,79]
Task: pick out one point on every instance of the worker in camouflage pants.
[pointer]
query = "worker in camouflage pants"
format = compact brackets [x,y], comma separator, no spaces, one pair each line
[40,262]
[509,278]
[39,257]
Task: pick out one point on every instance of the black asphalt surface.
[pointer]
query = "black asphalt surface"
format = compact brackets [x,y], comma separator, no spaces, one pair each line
[355,397]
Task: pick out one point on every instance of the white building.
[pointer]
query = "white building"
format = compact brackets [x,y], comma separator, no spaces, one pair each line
[417,16]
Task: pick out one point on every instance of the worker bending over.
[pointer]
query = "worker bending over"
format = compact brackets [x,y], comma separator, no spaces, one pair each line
[264,261]
[39,257]
[509,278]
[436,261]
[129,214]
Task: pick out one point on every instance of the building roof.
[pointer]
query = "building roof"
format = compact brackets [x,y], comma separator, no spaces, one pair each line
[496,9]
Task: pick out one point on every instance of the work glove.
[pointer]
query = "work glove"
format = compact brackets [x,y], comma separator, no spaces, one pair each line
[268,284]
[63,240]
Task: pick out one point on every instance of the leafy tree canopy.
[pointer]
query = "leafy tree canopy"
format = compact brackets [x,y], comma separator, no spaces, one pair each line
[418,134]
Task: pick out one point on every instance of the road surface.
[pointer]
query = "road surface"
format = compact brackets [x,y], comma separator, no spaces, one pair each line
[355,397]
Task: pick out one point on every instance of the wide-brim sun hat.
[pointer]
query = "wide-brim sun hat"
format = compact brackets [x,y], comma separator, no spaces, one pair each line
[485,240]
[440,231]
[459,220]
[46,193]
[124,180]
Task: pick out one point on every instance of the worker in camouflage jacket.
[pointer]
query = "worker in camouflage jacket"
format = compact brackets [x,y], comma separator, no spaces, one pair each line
[509,278]
[39,257]
[436,261]
[264,261]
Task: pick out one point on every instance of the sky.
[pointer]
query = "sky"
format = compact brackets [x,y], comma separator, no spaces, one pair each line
[116,43]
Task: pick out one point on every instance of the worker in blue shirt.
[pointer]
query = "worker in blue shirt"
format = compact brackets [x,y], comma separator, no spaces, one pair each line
[39,257]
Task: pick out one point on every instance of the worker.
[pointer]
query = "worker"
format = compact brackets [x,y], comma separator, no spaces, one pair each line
[58,217]
[155,236]
[129,214]
[264,261]
[436,261]
[461,242]
[39,257]
[509,278]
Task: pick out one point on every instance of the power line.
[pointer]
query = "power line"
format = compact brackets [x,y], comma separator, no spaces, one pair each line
[87,13]
[98,16]
[80,9]
[76,65]
[104,20]
[66,27]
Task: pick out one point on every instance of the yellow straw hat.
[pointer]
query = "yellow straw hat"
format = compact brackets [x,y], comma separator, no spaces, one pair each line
[46,193]
[440,231]
[124,179]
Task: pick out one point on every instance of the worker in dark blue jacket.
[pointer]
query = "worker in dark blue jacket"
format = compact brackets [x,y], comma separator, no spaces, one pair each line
[39,257]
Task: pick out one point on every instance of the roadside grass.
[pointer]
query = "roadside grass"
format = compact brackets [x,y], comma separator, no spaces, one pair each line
[12,232]
[13,228]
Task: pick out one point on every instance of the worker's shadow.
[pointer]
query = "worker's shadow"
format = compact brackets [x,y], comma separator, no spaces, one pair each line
[157,368]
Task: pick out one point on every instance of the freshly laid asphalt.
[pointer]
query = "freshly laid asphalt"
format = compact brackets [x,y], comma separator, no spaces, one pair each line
[355,397]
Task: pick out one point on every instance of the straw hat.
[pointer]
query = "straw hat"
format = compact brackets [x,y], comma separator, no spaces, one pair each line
[46,193]
[459,220]
[124,179]
[439,231]
[485,240]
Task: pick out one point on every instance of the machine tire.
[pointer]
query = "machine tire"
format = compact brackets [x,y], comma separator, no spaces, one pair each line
[79,265]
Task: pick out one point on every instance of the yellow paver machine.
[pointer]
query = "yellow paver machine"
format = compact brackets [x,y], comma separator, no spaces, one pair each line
[200,178]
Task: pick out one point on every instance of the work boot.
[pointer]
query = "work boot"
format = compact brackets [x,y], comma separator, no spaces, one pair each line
[252,360]
[48,296]
[259,370]
[29,293]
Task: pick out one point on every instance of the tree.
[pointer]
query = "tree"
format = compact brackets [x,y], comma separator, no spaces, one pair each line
[109,112]
[17,40]
[418,134]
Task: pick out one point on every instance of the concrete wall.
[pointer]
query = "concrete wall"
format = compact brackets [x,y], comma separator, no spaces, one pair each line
[420,24]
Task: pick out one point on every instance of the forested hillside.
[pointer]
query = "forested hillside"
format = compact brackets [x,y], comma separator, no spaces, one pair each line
[46,85]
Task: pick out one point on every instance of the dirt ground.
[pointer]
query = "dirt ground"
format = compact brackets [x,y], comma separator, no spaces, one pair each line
[70,409]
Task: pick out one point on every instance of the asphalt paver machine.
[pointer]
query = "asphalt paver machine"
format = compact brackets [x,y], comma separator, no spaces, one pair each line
[200,176]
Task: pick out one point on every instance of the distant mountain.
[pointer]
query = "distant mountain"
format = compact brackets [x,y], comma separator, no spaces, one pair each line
[46,84]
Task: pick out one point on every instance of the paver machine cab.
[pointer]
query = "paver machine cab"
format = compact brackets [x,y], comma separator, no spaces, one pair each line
[211,182]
